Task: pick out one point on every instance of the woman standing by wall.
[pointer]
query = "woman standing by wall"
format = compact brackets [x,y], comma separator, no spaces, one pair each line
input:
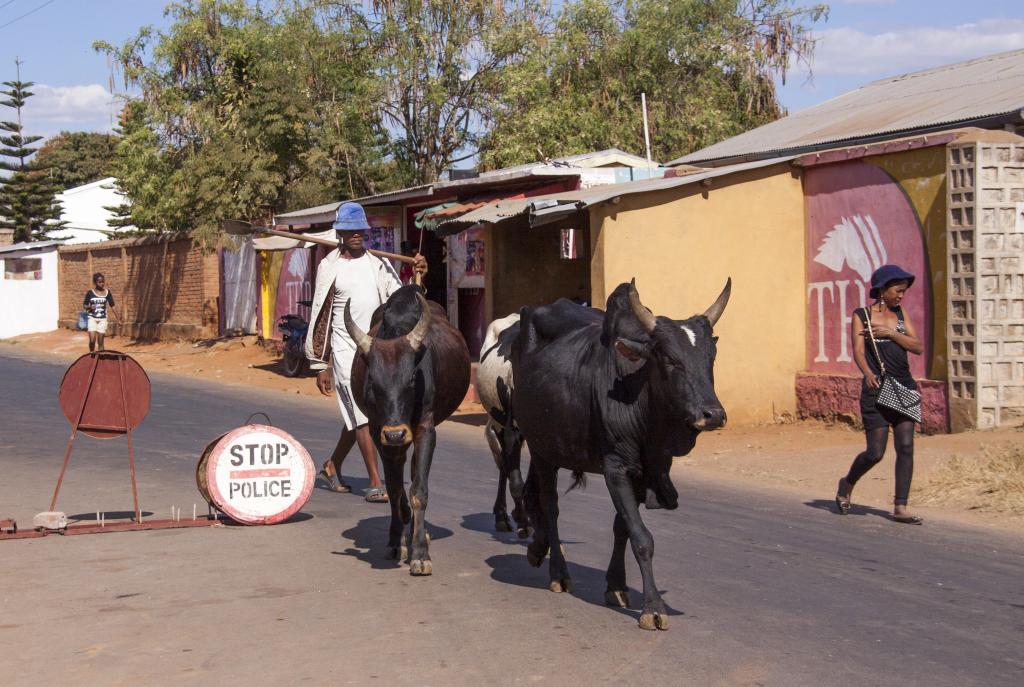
[882,336]
[98,302]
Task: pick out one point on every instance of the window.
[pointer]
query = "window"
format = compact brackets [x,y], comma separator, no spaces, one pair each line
[569,240]
[23,268]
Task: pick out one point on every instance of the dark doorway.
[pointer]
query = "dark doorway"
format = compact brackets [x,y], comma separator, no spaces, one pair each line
[472,319]
[436,281]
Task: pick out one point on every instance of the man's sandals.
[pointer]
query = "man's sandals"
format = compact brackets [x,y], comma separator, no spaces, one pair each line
[338,487]
[376,495]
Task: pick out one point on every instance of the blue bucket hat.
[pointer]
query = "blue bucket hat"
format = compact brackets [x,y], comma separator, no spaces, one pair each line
[350,217]
[885,275]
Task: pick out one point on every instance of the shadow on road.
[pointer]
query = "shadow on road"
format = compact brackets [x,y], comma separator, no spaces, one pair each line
[370,537]
[301,516]
[484,523]
[830,506]
[359,486]
[589,583]
[473,419]
[108,515]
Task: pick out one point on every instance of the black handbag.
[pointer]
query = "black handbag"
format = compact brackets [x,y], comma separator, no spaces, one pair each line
[892,394]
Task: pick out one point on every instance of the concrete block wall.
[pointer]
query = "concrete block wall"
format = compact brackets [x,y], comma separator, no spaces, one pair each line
[985,252]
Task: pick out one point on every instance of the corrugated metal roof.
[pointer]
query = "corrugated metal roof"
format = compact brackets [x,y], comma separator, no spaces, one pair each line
[559,168]
[437,190]
[30,246]
[956,94]
[325,212]
[589,160]
[541,210]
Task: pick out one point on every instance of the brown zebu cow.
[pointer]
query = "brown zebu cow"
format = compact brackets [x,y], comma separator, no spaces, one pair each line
[411,373]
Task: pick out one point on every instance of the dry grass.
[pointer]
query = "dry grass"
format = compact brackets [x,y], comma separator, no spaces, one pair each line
[991,481]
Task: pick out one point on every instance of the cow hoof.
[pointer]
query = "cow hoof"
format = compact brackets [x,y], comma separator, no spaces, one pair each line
[523,532]
[559,586]
[653,621]
[398,553]
[502,525]
[534,558]
[421,568]
[620,599]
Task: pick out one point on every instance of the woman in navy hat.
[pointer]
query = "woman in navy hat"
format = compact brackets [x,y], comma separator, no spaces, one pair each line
[894,336]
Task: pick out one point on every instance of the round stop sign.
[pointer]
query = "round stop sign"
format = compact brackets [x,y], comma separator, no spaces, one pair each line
[257,475]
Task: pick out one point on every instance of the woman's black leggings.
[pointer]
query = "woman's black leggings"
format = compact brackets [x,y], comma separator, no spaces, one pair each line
[903,440]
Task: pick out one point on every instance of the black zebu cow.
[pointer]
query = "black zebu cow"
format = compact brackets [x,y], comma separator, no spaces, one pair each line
[618,394]
[411,375]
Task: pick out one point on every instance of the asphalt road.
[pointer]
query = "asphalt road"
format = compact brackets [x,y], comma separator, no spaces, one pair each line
[764,589]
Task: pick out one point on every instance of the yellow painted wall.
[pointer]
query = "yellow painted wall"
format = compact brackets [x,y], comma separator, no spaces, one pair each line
[270,275]
[681,245]
[922,176]
[526,268]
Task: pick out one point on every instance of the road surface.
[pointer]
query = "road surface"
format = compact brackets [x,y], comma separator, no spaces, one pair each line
[763,589]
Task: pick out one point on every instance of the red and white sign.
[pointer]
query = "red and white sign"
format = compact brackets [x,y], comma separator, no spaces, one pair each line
[258,475]
[858,219]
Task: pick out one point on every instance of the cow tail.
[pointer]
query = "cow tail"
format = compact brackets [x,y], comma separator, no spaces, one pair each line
[579,479]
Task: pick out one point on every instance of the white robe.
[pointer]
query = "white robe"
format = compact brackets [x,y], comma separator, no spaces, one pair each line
[356,282]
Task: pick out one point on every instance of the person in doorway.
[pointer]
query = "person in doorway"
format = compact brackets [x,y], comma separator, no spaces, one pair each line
[98,303]
[348,274]
[405,270]
[894,336]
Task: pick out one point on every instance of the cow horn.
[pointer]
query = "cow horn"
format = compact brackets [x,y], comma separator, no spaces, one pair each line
[645,316]
[718,307]
[419,332]
[362,339]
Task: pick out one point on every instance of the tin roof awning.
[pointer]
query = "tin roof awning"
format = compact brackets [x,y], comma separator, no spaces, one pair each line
[273,243]
[15,250]
[541,210]
[538,211]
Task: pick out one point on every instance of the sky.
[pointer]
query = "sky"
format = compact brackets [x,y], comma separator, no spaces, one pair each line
[862,40]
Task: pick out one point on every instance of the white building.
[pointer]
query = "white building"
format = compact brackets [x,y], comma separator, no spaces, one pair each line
[84,210]
[28,288]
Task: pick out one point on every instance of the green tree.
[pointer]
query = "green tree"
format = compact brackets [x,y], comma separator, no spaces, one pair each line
[27,202]
[439,62]
[246,112]
[74,158]
[706,66]
[140,172]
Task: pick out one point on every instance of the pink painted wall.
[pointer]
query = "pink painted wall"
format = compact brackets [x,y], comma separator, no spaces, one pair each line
[294,285]
[837,398]
[858,219]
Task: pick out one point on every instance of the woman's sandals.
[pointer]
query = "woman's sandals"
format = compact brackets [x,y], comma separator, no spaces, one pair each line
[843,492]
[907,518]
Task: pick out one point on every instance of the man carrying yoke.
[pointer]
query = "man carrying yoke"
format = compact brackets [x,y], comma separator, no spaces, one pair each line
[349,273]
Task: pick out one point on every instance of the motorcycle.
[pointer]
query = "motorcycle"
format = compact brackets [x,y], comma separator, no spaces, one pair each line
[293,332]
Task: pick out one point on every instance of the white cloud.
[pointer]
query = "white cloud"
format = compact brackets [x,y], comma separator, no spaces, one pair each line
[88,107]
[846,51]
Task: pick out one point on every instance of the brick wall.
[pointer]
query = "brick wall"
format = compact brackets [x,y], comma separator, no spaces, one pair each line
[986,280]
[164,286]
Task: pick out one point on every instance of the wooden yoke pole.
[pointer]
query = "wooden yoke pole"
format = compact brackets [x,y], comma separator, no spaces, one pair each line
[334,244]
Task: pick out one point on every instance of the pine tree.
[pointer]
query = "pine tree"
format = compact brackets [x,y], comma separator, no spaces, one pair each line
[130,122]
[27,202]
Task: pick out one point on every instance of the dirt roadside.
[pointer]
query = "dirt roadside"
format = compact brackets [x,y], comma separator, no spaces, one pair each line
[804,459]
